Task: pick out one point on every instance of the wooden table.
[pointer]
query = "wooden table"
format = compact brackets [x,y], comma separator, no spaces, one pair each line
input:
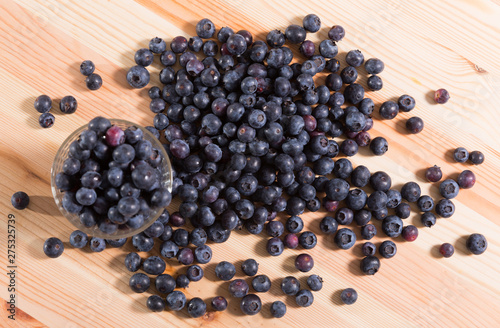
[426,45]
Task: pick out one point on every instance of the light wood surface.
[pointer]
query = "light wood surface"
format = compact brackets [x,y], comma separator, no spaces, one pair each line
[425,44]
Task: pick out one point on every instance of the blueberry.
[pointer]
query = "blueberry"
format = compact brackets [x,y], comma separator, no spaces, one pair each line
[425,203]
[176,300]
[410,233]
[304,298]
[336,33]
[219,303]
[315,282]
[387,249]
[261,283]
[362,217]
[441,96]
[225,271]
[354,93]
[368,231]
[157,45]
[275,39]
[349,296]
[168,58]
[139,282]
[294,224]
[275,246]
[275,228]
[415,125]
[334,82]
[278,309]
[370,265]
[133,262]
[379,146]
[86,196]
[466,179]
[406,103]
[354,58]
[411,191]
[185,256]
[68,105]
[332,65]
[374,83]
[428,219]
[360,176]
[250,267]
[138,77]
[329,49]
[196,307]
[337,189]
[93,81]
[179,44]
[143,243]
[374,66]
[154,265]
[290,285]
[295,34]
[155,303]
[476,157]
[304,262]
[433,174]
[43,104]
[312,23]
[87,67]
[328,225]
[308,240]
[46,120]
[194,273]
[449,189]
[251,304]
[368,249]
[78,239]
[392,226]
[446,249]
[377,200]
[97,244]
[403,210]
[307,49]
[388,110]
[203,254]
[476,243]
[236,44]
[20,200]
[53,247]
[345,238]
[393,198]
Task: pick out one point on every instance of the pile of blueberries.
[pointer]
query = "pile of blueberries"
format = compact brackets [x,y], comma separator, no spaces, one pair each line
[250,136]
[112,178]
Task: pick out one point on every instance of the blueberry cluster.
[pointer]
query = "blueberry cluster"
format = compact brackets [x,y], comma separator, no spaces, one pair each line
[112,177]
[92,80]
[250,135]
[43,104]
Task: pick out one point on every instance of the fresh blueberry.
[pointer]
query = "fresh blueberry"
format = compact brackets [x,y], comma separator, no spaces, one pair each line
[155,303]
[368,249]
[466,179]
[133,262]
[449,189]
[290,285]
[315,282]
[43,104]
[392,226]
[425,203]
[278,309]
[219,303]
[374,83]
[387,249]
[78,239]
[87,67]
[138,77]
[304,298]
[374,66]
[20,200]
[403,210]
[349,296]
[176,300]
[68,105]
[441,96]
[433,174]
[409,233]
[370,265]
[295,34]
[139,282]
[225,271]
[476,243]
[93,81]
[336,33]
[345,238]
[476,157]
[428,219]
[53,247]
[97,244]
[406,103]
[251,304]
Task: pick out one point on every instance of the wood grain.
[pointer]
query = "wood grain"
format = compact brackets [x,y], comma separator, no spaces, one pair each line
[425,45]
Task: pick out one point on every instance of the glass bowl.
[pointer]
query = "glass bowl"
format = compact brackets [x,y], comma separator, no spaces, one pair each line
[123,231]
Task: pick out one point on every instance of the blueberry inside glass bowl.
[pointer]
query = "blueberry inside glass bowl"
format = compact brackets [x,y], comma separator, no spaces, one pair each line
[164,180]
